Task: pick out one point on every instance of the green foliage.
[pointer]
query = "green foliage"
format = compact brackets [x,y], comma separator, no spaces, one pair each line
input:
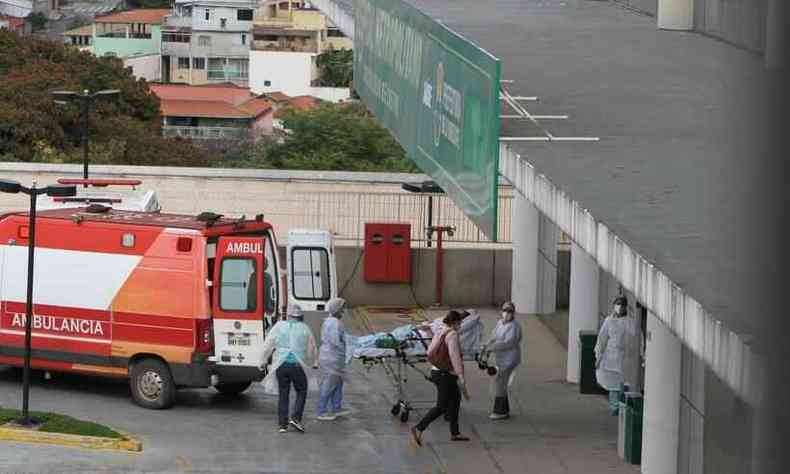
[55,423]
[337,68]
[79,21]
[38,20]
[124,130]
[331,137]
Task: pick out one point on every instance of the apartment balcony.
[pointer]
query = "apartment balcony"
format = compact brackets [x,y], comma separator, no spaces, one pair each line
[229,76]
[180,22]
[288,47]
[205,133]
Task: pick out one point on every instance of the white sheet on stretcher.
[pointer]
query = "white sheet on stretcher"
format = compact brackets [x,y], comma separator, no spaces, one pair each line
[470,335]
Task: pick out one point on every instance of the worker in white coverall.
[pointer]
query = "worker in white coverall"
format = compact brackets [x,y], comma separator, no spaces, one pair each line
[610,353]
[505,343]
[332,360]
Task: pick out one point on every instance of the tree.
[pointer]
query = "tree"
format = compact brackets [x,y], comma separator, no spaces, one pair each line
[38,20]
[34,128]
[334,137]
[337,68]
[79,21]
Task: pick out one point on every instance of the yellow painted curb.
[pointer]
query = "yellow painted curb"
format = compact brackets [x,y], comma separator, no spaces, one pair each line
[22,435]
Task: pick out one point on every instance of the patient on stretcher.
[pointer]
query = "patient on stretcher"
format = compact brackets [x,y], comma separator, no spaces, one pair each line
[380,344]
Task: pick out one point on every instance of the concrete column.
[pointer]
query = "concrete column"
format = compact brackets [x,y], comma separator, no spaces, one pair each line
[661,427]
[777,38]
[524,223]
[547,266]
[583,313]
[676,15]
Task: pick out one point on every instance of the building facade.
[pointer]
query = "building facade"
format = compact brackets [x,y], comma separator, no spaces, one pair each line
[129,33]
[288,37]
[208,41]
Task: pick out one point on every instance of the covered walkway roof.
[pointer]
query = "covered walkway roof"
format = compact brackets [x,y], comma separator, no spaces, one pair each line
[672,175]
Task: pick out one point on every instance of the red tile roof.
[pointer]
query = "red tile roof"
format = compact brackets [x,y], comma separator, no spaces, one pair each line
[201,108]
[146,16]
[222,93]
[303,102]
[278,96]
[256,107]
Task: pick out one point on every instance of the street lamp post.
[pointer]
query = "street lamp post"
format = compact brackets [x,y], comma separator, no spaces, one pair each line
[13,187]
[61,97]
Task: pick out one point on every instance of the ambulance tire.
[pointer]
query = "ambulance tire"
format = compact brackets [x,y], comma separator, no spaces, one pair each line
[232,388]
[152,385]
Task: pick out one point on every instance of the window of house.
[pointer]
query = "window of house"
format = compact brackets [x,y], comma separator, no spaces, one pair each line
[175,38]
[266,38]
[207,14]
[244,15]
[183,63]
[335,33]
[267,83]
[198,63]
[244,38]
[204,40]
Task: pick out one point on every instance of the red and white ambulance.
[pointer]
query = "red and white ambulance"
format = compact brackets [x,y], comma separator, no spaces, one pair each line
[166,300]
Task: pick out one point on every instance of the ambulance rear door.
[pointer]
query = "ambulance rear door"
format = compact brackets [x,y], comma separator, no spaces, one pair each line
[239,300]
[312,274]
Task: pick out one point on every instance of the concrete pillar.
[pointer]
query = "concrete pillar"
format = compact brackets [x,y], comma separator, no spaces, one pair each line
[661,427]
[547,266]
[676,15]
[777,37]
[583,313]
[524,223]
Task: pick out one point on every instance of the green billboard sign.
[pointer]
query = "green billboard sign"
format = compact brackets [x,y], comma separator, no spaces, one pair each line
[438,94]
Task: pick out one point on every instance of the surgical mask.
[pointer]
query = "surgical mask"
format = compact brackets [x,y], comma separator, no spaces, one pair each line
[507,316]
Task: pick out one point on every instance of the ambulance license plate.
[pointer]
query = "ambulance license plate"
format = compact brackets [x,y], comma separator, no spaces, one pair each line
[238,340]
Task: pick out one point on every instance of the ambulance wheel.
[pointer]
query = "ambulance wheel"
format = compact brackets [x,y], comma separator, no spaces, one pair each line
[232,388]
[152,384]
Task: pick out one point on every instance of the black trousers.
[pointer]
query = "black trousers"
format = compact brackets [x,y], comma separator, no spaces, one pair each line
[448,400]
[287,374]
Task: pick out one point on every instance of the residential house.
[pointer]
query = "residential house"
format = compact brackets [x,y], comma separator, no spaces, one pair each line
[288,36]
[80,38]
[13,24]
[208,41]
[134,36]
[223,111]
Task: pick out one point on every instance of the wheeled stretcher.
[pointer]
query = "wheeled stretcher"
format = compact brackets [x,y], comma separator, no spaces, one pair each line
[404,354]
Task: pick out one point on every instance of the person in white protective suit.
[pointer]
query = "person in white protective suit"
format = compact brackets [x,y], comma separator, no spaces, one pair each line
[505,343]
[332,360]
[293,346]
[610,352]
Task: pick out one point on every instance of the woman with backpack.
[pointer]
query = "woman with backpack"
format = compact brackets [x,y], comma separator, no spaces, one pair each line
[447,373]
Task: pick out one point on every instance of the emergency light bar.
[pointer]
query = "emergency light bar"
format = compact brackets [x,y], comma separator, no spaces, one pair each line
[101,182]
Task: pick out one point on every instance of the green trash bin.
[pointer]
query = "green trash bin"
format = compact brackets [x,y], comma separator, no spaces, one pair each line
[632,444]
[587,381]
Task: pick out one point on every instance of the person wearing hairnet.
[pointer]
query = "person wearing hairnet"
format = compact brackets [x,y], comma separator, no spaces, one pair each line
[505,343]
[293,345]
[332,360]
[610,352]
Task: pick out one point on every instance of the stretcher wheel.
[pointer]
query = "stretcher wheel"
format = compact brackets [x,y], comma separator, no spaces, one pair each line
[395,409]
[404,417]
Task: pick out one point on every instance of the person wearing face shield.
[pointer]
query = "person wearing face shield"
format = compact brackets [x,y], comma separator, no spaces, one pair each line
[332,360]
[505,343]
[610,352]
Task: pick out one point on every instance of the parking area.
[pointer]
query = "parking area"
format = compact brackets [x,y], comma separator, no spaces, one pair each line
[554,429]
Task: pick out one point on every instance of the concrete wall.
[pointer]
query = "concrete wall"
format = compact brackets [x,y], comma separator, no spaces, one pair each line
[472,277]
[287,72]
[742,22]
[146,67]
